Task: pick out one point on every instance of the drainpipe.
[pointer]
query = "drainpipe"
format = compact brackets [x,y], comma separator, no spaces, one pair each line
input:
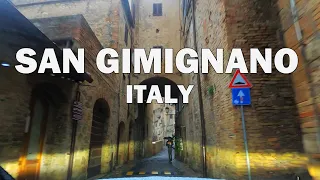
[73,138]
[74,129]
[118,133]
[306,65]
[204,164]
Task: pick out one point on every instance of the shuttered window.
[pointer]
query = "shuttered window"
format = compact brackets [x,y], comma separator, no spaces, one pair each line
[157,9]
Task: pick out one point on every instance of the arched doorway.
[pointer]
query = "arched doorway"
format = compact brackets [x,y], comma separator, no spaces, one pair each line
[121,144]
[101,113]
[44,103]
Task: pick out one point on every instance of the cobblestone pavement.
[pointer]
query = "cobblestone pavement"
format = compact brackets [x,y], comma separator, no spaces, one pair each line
[157,165]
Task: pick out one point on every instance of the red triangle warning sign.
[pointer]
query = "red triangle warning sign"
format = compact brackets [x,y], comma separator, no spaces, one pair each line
[239,81]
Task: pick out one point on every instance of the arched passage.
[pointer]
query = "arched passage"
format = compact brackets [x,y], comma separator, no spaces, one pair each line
[121,144]
[152,118]
[101,113]
[46,99]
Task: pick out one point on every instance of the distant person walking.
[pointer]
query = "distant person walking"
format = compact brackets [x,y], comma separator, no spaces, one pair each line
[169,144]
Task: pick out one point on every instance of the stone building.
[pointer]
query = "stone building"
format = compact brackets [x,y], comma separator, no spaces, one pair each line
[300,29]
[163,121]
[67,148]
[169,114]
[156,26]
[276,144]
[282,122]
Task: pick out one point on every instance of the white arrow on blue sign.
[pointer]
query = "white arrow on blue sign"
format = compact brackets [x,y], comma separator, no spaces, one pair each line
[241,96]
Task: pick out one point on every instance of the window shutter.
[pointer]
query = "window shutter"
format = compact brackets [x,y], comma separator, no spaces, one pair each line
[160,10]
[154,9]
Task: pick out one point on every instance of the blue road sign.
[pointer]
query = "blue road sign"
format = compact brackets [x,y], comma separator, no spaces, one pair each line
[241,96]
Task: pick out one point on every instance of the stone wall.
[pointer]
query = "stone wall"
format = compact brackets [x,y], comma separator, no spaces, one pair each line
[157,147]
[169,120]
[163,122]
[306,78]
[151,31]
[158,121]
[273,131]
[13,133]
[148,123]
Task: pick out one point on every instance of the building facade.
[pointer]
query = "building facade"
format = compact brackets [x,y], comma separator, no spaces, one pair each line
[276,138]
[282,122]
[300,29]
[98,142]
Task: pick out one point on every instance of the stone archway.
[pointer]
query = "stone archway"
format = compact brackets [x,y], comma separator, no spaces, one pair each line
[101,113]
[146,121]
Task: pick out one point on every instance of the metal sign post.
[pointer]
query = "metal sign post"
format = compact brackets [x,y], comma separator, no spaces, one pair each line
[245,141]
[240,88]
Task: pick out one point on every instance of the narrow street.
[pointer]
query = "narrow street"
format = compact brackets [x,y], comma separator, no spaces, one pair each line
[157,165]
[95,89]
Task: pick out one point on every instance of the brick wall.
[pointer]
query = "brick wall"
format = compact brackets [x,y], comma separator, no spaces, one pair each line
[306,78]
[273,131]
[107,20]
[17,90]
[12,134]
[102,15]
[56,154]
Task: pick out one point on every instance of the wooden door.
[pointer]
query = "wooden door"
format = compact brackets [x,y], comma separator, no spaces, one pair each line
[34,138]
[96,141]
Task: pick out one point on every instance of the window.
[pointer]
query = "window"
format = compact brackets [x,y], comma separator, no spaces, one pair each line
[126,35]
[157,9]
